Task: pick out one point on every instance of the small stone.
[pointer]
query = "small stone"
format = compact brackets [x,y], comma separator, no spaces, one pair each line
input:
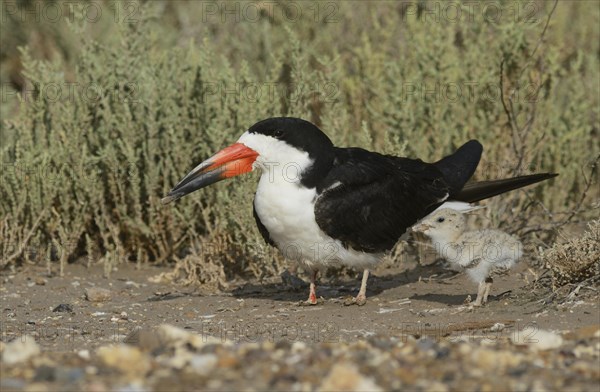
[497,327]
[20,350]
[177,337]
[45,373]
[146,339]
[547,340]
[346,377]
[587,332]
[491,360]
[63,308]
[84,354]
[127,359]
[97,294]
[40,281]
[227,360]
[426,344]
[538,340]
[69,375]
[298,346]
[203,364]
[11,384]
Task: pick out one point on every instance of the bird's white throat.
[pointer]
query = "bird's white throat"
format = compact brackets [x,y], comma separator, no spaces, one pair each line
[283,163]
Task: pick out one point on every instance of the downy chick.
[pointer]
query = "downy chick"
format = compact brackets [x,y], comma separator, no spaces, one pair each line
[481,253]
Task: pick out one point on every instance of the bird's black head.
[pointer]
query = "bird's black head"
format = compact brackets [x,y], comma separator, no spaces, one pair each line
[289,142]
[300,134]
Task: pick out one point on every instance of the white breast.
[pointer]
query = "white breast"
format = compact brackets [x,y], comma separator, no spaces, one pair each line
[286,209]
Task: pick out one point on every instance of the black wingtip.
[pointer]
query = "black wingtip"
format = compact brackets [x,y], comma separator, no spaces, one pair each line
[460,166]
[481,190]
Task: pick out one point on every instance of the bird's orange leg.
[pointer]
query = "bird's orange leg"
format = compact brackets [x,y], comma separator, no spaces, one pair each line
[312,296]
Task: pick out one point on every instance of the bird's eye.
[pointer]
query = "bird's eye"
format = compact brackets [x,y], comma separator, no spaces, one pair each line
[277,133]
[441,219]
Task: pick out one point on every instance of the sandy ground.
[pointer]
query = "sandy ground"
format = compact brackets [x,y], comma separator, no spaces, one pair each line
[409,304]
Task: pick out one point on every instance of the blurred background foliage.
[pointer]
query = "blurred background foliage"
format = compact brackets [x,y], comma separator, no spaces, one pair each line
[106,105]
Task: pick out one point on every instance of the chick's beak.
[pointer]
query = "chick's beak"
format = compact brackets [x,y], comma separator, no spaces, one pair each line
[421,227]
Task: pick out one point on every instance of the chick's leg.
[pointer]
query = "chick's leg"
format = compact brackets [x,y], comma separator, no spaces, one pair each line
[480,294]
[488,288]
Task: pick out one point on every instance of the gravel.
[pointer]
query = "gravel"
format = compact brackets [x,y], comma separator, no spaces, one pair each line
[168,358]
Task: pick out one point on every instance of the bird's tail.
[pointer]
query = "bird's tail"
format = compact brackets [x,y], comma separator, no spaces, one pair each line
[476,191]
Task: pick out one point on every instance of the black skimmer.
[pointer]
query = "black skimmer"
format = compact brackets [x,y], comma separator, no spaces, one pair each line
[482,253]
[321,205]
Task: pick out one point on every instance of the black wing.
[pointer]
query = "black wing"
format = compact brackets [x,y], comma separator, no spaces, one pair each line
[369,200]
[460,166]
[261,228]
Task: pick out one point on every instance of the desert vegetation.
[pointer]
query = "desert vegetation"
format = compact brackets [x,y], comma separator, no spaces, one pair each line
[102,115]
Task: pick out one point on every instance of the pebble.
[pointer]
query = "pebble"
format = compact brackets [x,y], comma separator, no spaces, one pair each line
[346,377]
[97,294]
[69,375]
[175,336]
[61,374]
[204,364]
[44,373]
[63,308]
[494,360]
[20,350]
[169,358]
[84,354]
[538,340]
[146,339]
[127,359]
[13,384]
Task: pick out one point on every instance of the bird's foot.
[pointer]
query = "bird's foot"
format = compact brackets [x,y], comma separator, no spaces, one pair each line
[359,300]
[478,302]
[311,302]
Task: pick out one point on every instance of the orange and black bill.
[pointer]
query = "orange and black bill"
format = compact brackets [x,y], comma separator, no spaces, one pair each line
[229,162]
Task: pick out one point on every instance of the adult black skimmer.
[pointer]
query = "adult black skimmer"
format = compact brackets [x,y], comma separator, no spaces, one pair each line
[321,205]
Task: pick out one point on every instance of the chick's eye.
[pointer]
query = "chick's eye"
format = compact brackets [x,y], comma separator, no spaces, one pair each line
[441,219]
[278,133]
